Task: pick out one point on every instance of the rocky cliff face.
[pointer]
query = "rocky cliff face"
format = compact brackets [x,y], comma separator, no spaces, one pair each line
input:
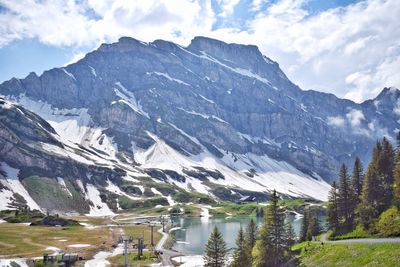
[138,103]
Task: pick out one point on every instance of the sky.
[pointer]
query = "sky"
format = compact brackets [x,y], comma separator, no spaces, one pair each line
[350,48]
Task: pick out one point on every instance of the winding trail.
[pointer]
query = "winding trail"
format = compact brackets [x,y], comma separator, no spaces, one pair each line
[166,254]
[360,240]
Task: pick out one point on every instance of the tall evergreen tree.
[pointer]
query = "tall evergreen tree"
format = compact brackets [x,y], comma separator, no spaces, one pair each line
[346,201]
[333,213]
[396,175]
[216,251]
[385,169]
[357,178]
[313,227]
[251,235]
[368,208]
[304,225]
[271,248]
[241,255]
[290,236]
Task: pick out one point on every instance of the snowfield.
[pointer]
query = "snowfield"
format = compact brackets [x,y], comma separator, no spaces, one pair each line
[99,208]
[75,129]
[14,185]
[271,174]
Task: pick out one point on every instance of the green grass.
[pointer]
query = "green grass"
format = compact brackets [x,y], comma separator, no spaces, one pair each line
[146,259]
[143,230]
[376,255]
[21,216]
[249,209]
[50,194]
[148,203]
[292,203]
[359,232]
[18,240]
[191,211]
[195,197]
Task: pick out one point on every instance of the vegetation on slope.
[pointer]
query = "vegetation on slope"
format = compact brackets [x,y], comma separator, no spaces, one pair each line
[343,255]
[368,204]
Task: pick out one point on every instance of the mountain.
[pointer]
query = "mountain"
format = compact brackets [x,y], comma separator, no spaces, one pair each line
[215,118]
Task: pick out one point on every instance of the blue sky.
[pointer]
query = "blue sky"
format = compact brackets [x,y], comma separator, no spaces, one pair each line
[347,47]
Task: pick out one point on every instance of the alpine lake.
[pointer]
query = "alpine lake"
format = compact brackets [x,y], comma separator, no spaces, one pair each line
[192,233]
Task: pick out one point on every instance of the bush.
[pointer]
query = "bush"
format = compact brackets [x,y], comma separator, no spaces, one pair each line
[128,204]
[359,232]
[388,223]
[183,197]
[175,210]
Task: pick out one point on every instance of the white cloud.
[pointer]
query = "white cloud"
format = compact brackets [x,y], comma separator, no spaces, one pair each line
[65,23]
[227,7]
[355,117]
[337,121]
[75,58]
[352,51]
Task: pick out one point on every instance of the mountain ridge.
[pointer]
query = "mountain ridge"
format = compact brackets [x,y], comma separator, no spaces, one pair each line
[209,102]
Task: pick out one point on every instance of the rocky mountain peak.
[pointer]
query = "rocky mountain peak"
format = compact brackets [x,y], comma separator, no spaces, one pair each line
[162,107]
[389,92]
[229,52]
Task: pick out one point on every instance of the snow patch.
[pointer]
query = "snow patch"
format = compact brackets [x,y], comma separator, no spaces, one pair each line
[155,191]
[166,75]
[62,183]
[11,262]
[116,190]
[68,73]
[243,72]
[14,185]
[93,70]
[206,99]
[190,260]
[171,202]
[271,174]
[79,246]
[128,98]
[100,208]
[99,260]
[205,116]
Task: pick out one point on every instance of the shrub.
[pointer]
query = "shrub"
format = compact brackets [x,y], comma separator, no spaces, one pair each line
[388,223]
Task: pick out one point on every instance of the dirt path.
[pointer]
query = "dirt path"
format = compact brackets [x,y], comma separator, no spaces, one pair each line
[166,253]
[100,258]
[360,240]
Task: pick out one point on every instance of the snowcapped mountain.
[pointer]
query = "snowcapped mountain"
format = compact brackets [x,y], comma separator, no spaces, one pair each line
[215,118]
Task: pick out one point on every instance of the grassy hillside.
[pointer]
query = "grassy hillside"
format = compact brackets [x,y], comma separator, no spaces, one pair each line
[48,193]
[315,254]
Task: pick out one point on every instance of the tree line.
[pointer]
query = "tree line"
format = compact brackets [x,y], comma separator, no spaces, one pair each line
[267,246]
[362,198]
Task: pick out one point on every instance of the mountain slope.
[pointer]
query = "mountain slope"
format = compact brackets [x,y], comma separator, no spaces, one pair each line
[207,114]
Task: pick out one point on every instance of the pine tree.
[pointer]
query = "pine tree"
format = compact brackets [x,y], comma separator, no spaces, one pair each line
[346,201]
[216,251]
[396,175]
[313,227]
[385,169]
[290,236]
[271,248]
[396,184]
[333,213]
[304,225]
[241,255]
[368,208]
[357,178]
[251,235]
